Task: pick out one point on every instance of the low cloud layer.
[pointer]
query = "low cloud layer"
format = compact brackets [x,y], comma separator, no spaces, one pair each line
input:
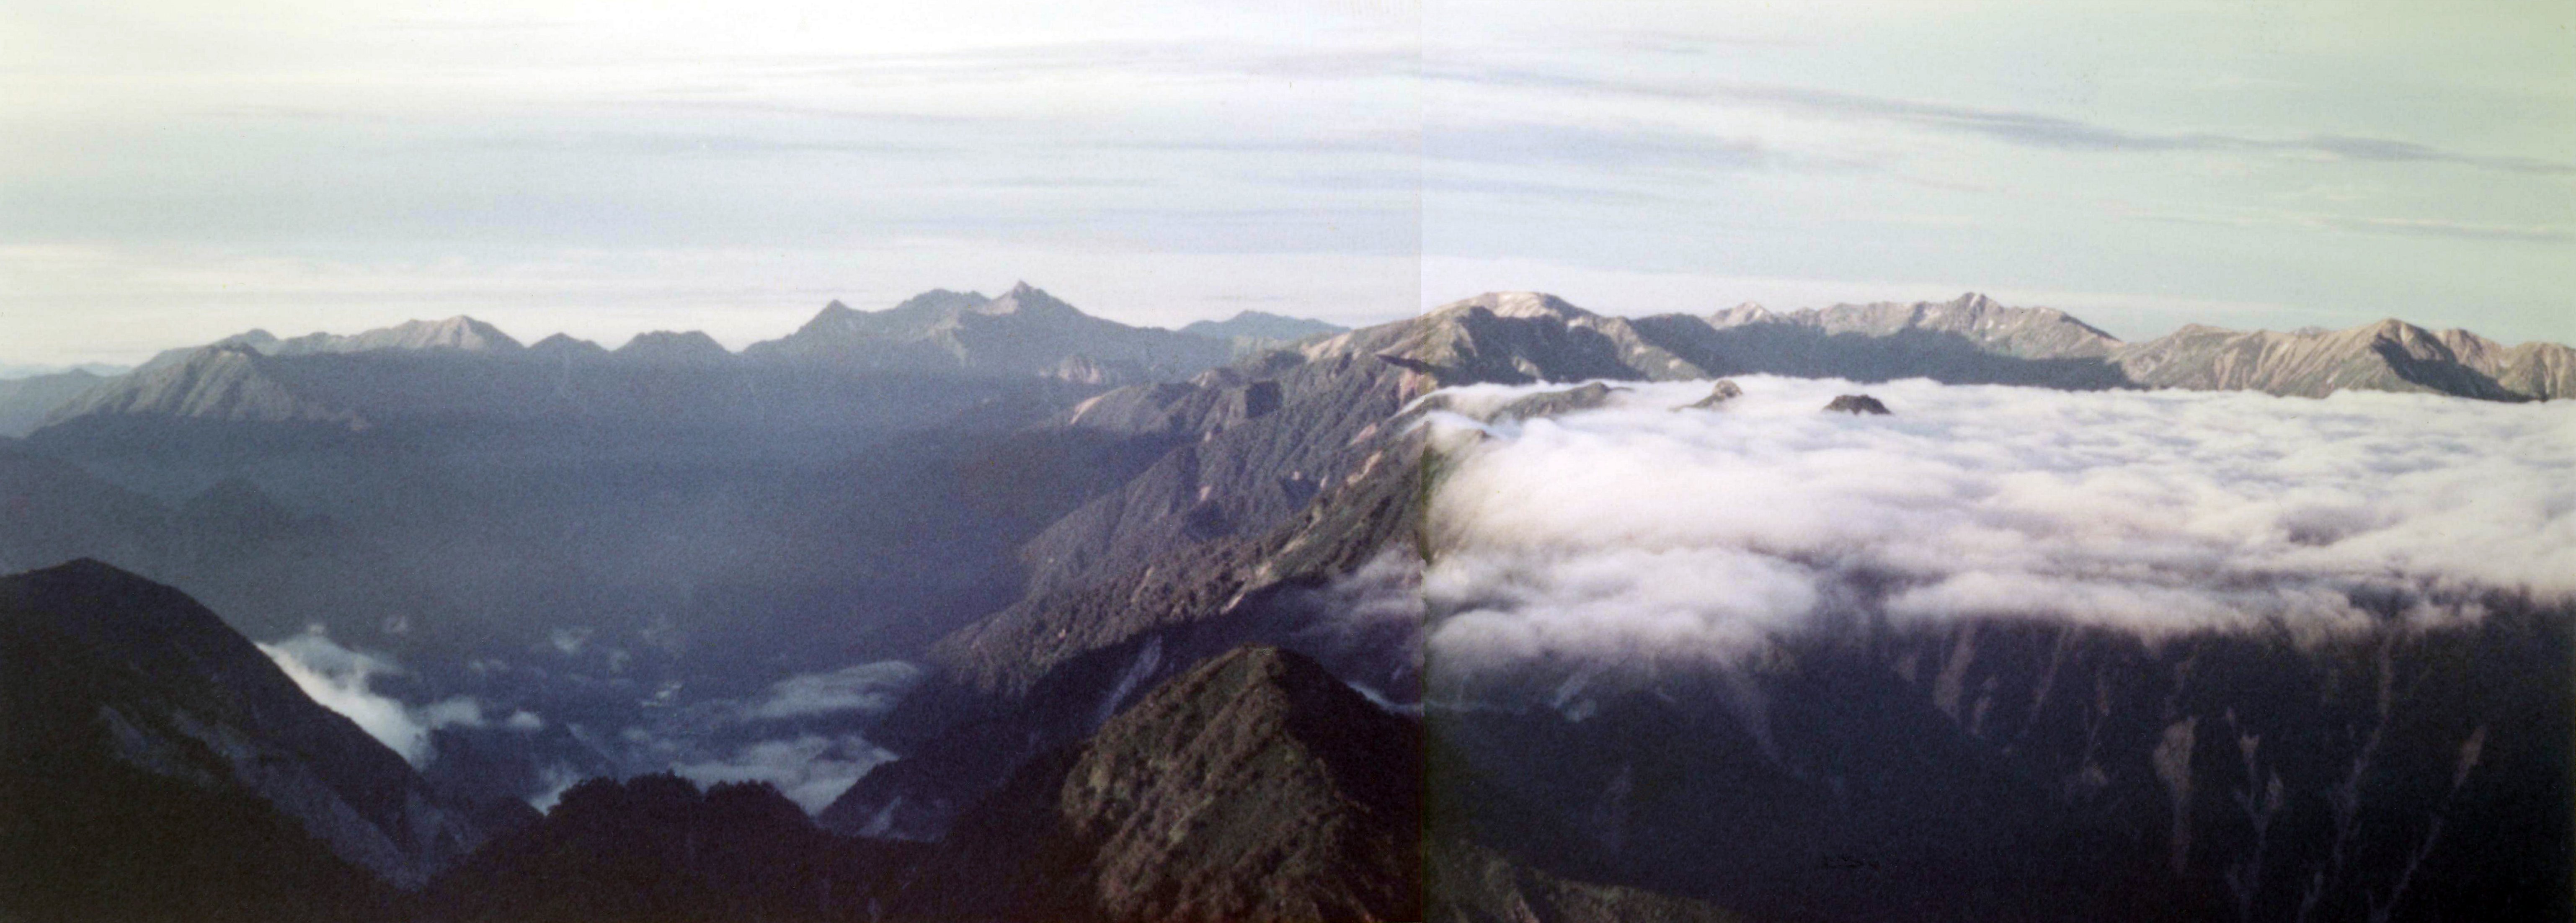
[867,688]
[806,734]
[1639,531]
[810,770]
[343,680]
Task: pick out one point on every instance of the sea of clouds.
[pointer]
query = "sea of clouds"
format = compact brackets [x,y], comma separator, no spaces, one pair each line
[802,733]
[1638,531]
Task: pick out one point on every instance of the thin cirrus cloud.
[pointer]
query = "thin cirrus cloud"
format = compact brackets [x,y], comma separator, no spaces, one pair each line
[693,163]
[1641,534]
[2023,128]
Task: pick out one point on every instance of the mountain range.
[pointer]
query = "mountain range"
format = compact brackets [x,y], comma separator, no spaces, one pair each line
[1163,591]
[1027,332]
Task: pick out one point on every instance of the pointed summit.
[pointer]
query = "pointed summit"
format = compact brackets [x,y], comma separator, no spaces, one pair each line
[1030,301]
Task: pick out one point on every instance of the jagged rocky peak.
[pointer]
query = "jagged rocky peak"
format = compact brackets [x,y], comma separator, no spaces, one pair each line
[1256,786]
[1856,404]
[1725,390]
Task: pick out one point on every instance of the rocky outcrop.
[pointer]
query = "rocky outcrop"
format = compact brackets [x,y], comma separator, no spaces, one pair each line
[1254,787]
[1725,390]
[1856,405]
[1591,396]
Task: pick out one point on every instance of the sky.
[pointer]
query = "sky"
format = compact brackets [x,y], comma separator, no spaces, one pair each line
[172,172]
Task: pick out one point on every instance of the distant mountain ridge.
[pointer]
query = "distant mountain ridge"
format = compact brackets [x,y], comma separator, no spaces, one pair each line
[25,402]
[1025,331]
[1973,339]
[1250,332]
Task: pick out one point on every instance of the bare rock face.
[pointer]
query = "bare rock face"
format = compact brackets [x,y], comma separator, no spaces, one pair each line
[1856,404]
[1726,390]
[1254,787]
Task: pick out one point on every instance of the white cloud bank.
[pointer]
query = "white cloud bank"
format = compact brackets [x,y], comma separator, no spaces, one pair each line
[1638,531]
[342,680]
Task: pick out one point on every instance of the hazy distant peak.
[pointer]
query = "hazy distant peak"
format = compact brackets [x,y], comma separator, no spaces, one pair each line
[667,346]
[566,346]
[1264,326]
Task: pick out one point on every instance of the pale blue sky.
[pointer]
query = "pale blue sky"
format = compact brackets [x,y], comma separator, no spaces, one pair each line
[171,172]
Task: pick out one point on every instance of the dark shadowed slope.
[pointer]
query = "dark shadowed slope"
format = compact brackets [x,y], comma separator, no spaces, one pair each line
[2018,770]
[156,765]
[655,848]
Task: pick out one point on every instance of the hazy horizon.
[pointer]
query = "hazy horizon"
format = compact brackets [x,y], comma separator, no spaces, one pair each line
[173,175]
